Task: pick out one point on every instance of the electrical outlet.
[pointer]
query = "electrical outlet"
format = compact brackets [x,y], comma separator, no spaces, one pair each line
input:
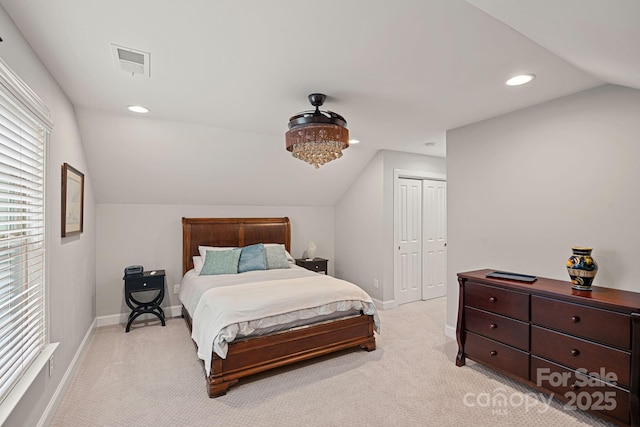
[375,283]
[50,366]
[176,289]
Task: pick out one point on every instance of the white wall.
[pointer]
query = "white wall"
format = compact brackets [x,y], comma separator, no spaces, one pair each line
[151,235]
[525,187]
[364,221]
[359,230]
[71,261]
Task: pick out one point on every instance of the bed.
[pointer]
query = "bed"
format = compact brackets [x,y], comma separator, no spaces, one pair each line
[253,354]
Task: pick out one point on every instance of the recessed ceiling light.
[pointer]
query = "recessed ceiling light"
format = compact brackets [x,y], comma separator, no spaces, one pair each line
[138,109]
[520,80]
[354,141]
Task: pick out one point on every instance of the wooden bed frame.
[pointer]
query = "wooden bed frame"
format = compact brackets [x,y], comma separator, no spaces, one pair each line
[253,355]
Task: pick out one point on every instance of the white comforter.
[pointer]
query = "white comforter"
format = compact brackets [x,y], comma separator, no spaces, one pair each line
[223,307]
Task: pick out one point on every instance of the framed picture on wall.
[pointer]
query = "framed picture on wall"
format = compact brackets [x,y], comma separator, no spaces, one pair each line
[72,200]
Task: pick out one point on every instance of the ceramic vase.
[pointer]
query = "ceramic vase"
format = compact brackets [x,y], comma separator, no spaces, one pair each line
[582,268]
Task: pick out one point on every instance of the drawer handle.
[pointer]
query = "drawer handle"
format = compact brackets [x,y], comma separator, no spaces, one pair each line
[493,299]
[575,319]
[493,326]
[493,353]
[575,352]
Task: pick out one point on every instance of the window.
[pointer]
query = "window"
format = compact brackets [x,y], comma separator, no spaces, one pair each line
[24,128]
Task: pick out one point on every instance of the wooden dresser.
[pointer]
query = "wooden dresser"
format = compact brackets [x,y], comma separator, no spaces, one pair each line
[581,346]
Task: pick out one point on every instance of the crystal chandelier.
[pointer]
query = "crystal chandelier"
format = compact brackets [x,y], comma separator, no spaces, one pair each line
[315,136]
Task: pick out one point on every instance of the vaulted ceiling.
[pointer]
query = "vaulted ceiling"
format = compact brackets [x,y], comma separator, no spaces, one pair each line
[225,76]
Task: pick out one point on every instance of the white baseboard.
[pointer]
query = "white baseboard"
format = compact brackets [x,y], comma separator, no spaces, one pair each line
[450,331]
[120,319]
[56,399]
[384,305]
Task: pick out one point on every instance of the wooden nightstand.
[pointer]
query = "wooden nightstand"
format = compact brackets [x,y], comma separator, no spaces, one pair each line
[147,281]
[316,264]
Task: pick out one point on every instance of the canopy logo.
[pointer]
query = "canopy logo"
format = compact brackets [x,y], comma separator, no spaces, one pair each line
[499,401]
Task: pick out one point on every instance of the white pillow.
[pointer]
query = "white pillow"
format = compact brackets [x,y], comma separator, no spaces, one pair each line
[203,250]
[198,262]
[289,257]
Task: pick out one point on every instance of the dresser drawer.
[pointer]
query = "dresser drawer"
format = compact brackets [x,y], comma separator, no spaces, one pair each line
[500,356]
[580,391]
[576,353]
[502,301]
[500,328]
[315,264]
[603,326]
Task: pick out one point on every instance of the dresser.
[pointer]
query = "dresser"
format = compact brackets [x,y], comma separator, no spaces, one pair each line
[583,347]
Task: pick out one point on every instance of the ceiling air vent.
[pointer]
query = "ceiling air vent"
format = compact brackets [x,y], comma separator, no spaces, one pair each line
[131,61]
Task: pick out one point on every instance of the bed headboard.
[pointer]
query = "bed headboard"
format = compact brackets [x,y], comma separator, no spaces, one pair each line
[232,232]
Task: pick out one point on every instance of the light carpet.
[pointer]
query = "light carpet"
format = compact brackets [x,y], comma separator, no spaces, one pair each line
[152,377]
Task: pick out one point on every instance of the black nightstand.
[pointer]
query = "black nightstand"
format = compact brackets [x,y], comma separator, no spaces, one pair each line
[316,264]
[147,281]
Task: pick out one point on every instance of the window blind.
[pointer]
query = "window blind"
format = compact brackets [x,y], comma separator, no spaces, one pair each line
[22,235]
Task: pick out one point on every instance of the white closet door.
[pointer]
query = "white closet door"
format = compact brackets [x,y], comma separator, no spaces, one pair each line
[409,240]
[434,205]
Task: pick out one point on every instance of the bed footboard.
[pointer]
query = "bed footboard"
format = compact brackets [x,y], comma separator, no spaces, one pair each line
[259,354]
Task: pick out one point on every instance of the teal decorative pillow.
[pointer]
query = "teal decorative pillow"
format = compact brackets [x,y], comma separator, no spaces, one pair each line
[252,258]
[276,257]
[221,262]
